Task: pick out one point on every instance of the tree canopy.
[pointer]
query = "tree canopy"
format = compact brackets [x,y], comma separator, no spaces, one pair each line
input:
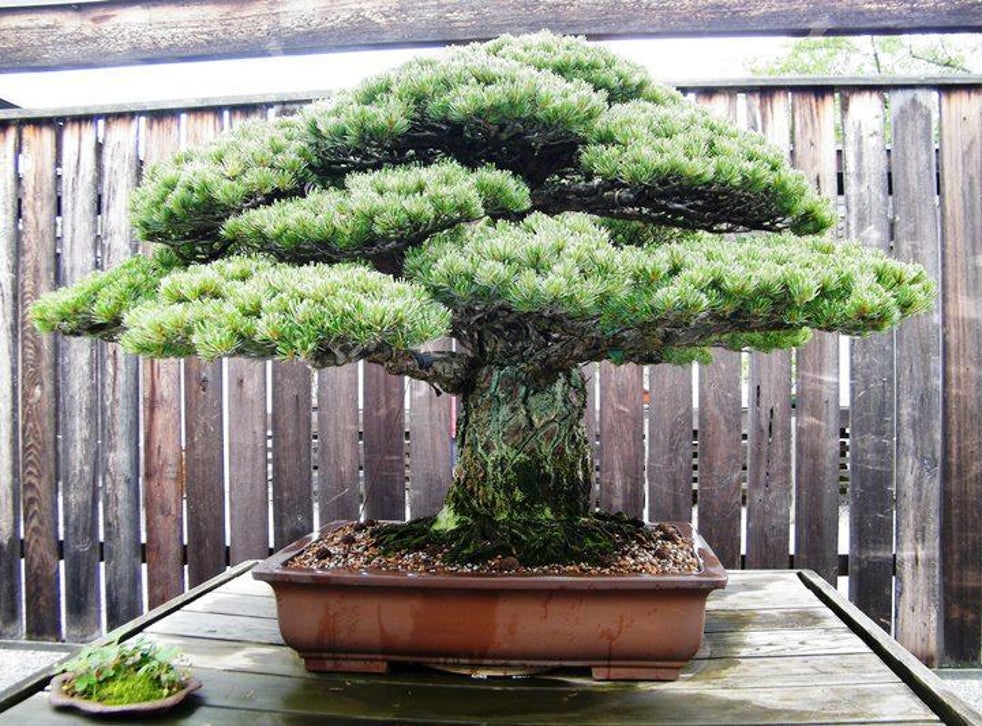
[537,197]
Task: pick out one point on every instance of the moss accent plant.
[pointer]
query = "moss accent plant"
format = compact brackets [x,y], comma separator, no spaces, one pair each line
[119,674]
[536,197]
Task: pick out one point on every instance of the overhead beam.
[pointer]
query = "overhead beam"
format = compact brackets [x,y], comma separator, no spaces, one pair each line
[120,32]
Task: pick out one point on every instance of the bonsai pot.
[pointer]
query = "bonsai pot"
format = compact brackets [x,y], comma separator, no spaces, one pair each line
[634,627]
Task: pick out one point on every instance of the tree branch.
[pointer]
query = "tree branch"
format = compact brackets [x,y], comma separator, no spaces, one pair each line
[445,371]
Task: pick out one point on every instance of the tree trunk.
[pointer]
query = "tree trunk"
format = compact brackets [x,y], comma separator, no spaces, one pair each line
[522,450]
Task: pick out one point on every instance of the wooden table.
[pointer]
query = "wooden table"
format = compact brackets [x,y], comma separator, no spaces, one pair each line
[780,647]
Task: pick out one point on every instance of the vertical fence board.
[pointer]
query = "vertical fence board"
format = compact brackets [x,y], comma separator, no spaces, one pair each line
[430,445]
[248,486]
[872,398]
[337,439]
[385,457]
[163,466]
[293,505]
[961,214]
[720,435]
[11,614]
[816,512]
[720,455]
[120,374]
[918,382]
[203,436]
[38,376]
[769,401]
[78,401]
[621,478]
[248,506]
[670,443]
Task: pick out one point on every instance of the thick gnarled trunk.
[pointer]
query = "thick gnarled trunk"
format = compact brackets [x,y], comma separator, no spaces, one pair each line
[522,450]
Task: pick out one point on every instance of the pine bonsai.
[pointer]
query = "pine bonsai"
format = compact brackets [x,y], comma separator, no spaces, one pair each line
[539,199]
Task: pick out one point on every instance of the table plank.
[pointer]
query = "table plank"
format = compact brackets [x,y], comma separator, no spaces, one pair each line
[702,673]
[782,663]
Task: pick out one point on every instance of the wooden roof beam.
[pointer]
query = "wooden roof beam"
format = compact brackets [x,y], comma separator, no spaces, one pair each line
[91,33]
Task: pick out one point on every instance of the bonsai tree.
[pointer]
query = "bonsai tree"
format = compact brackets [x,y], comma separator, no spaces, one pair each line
[539,199]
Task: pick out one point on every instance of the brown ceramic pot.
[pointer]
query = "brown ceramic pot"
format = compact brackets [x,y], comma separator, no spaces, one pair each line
[640,627]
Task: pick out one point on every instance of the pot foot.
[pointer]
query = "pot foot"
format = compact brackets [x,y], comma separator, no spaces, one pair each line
[664,672]
[317,664]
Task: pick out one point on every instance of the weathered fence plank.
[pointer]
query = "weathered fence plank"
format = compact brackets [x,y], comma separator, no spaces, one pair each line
[248,486]
[919,424]
[337,443]
[120,375]
[670,443]
[78,400]
[11,612]
[621,480]
[720,453]
[248,489]
[872,395]
[769,478]
[385,457]
[293,503]
[430,444]
[163,465]
[203,435]
[961,301]
[816,513]
[38,379]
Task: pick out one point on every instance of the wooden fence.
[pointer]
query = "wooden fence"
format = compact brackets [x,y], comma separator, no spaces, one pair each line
[108,463]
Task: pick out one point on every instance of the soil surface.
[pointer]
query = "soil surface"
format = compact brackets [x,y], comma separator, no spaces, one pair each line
[351,547]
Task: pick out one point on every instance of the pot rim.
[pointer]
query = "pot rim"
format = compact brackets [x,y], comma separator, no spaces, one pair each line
[712,576]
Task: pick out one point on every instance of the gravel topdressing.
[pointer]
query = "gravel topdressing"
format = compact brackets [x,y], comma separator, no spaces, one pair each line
[351,547]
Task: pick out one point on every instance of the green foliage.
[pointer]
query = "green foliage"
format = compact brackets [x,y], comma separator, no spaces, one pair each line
[381,211]
[96,304]
[680,149]
[189,196]
[706,290]
[125,673]
[252,307]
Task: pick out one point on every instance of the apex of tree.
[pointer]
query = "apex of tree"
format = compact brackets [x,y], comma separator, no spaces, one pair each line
[537,197]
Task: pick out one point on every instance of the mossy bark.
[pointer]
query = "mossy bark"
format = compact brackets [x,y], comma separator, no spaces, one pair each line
[521,489]
[522,450]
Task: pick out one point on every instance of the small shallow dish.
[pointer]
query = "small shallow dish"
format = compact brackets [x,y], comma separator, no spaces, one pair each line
[59,699]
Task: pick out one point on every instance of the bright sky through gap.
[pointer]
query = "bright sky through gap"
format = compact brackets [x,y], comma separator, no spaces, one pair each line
[672,60]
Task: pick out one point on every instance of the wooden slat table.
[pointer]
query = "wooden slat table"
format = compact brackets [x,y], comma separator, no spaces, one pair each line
[780,647]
